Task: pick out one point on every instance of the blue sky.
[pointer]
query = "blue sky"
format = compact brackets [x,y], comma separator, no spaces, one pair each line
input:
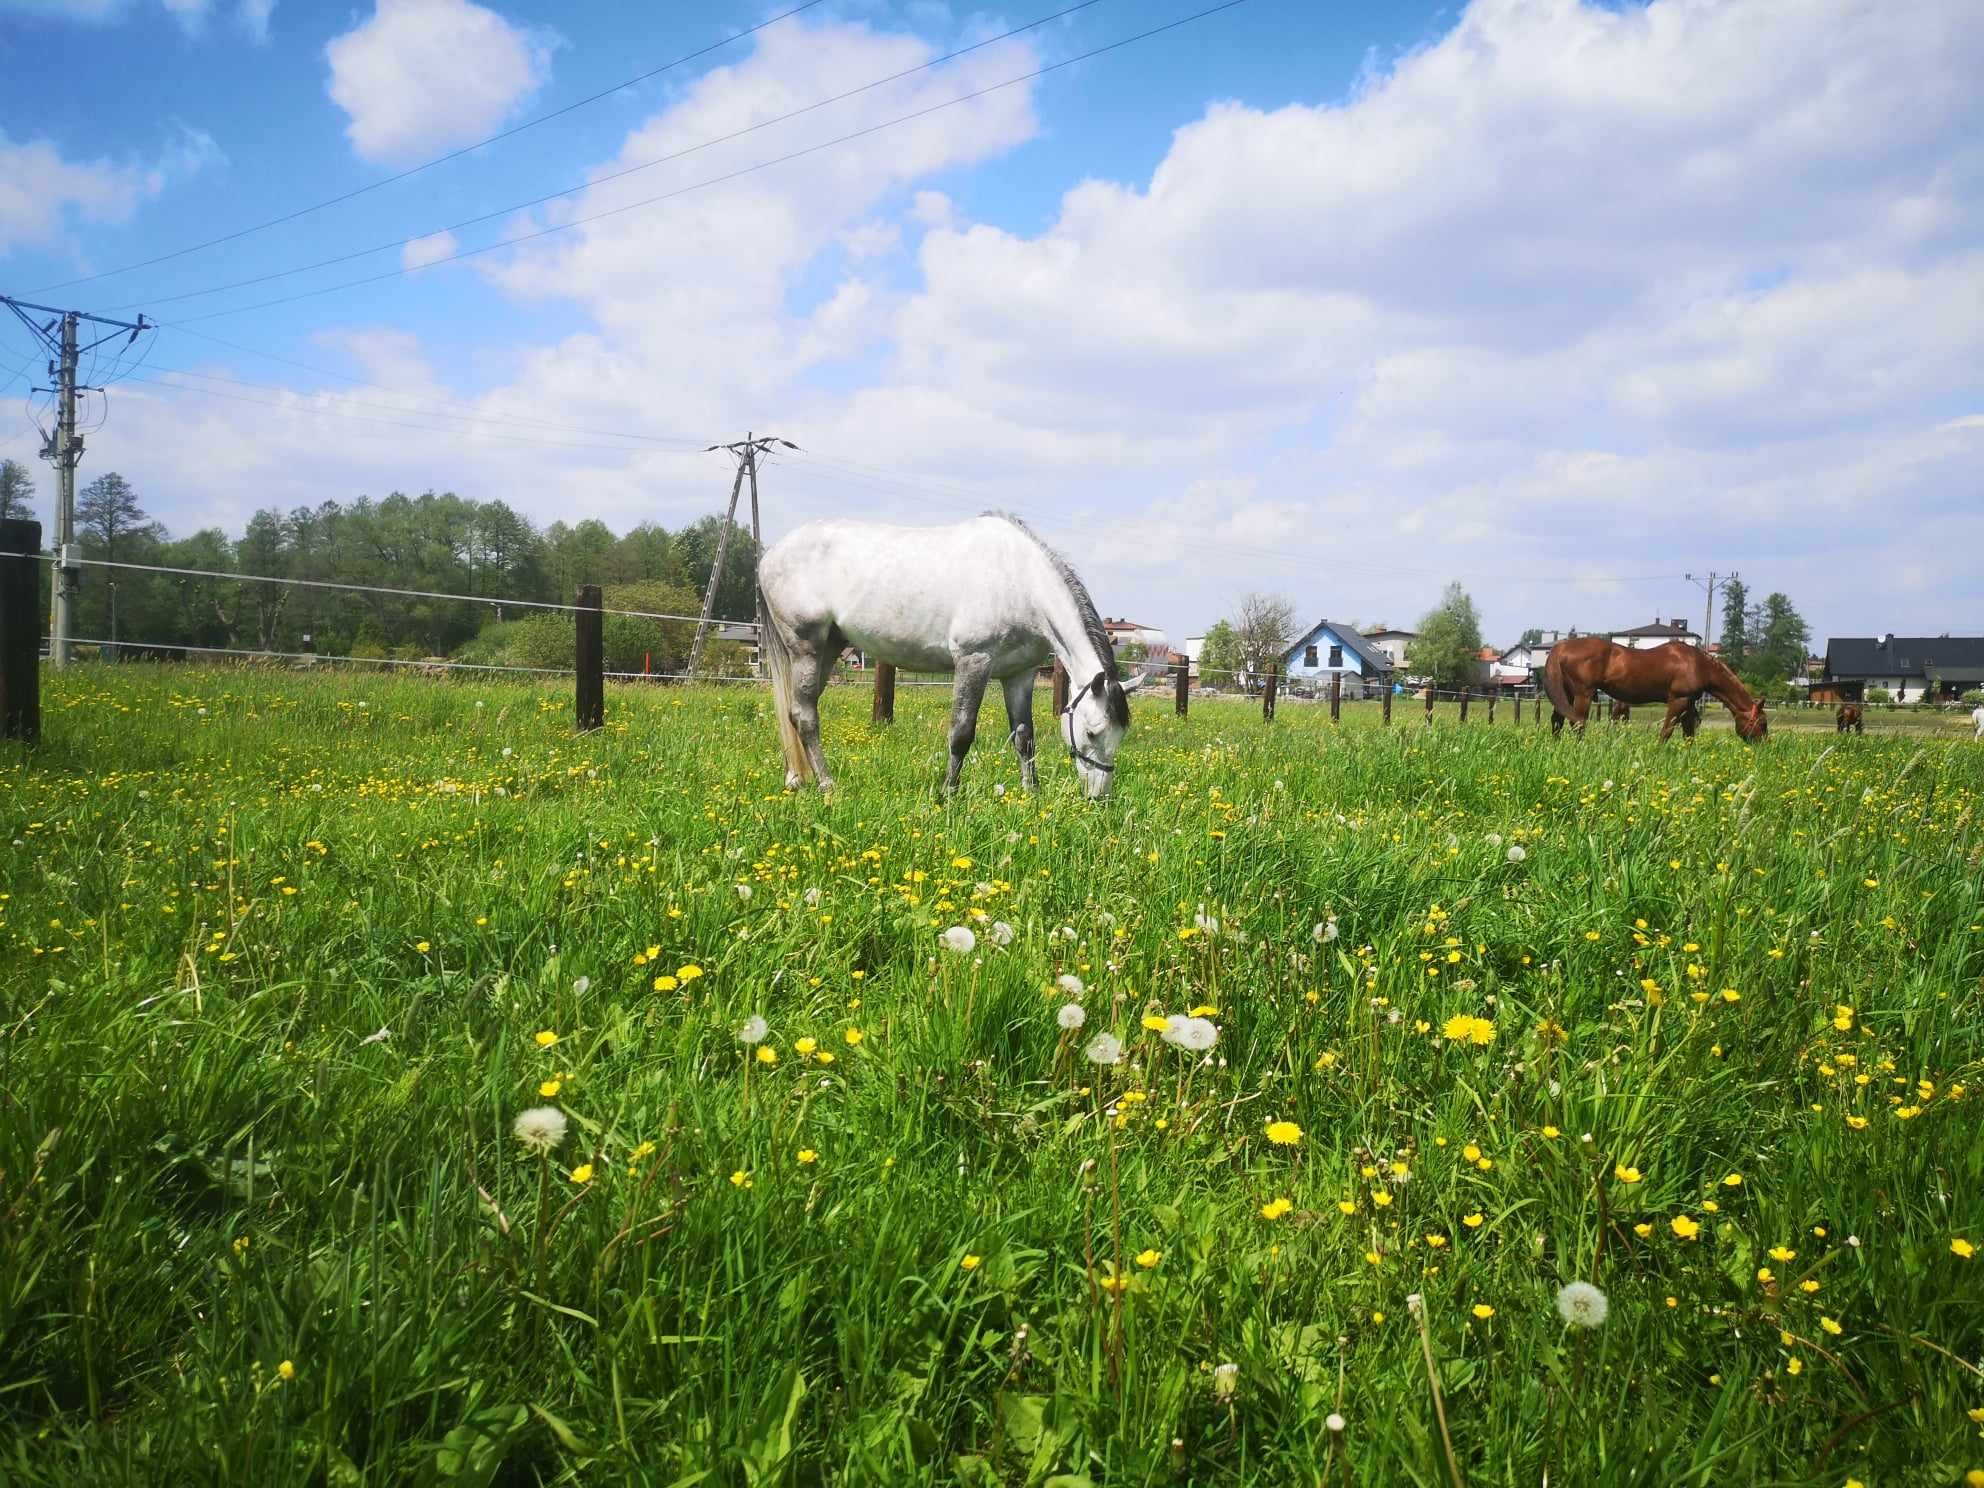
[1558,299]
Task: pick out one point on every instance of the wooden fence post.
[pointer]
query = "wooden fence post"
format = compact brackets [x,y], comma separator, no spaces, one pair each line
[1268,691]
[1464,693]
[1491,704]
[1429,702]
[1388,704]
[1060,690]
[885,693]
[1515,701]
[1181,678]
[590,660]
[1336,697]
[20,630]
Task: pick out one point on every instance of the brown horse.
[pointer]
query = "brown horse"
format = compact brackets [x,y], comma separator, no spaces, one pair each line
[1621,712]
[1675,674]
[1848,717]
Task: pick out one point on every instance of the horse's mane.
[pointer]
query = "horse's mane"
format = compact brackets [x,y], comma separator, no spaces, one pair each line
[1077,590]
[1727,679]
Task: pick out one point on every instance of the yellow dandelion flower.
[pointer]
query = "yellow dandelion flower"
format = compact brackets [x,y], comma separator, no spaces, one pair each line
[853,1037]
[582,1173]
[1482,1311]
[545,1038]
[1284,1133]
[1275,1208]
[969,1263]
[766,1054]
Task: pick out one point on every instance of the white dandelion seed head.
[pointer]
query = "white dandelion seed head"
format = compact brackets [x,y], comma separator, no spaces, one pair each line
[743,892]
[1108,920]
[1854,1241]
[1208,925]
[1069,983]
[959,940]
[999,788]
[508,751]
[1493,839]
[1515,853]
[1582,1305]
[1415,1304]
[999,933]
[753,1031]
[540,1129]
[812,898]
[1225,1380]
[1394,1015]
[1173,1025]
[1334,1421]
[1104,1049]
[1195,1034]
[1325,931]
[1071,1016]
[582,985]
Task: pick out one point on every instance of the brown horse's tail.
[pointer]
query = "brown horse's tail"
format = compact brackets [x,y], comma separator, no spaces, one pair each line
[1553,685]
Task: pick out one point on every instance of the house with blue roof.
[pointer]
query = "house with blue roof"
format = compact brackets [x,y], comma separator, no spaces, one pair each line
[1331,648]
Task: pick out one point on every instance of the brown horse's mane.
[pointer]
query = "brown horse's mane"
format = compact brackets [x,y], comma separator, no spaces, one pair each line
[1725,684]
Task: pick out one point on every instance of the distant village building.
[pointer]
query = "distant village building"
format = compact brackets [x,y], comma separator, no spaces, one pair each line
[1909,667]
[1393,643]
[1333,649]
[1659,633]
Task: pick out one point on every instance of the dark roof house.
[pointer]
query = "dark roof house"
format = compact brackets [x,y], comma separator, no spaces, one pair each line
[1955,662]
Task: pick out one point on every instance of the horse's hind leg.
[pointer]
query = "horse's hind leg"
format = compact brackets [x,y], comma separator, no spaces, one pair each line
[1019,714]
[809,679]
[967,696]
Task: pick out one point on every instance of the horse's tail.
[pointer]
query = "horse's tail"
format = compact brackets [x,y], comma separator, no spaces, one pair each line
[1553,685]
[777,641]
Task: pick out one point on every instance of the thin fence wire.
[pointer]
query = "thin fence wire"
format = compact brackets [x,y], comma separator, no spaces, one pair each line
[476,599]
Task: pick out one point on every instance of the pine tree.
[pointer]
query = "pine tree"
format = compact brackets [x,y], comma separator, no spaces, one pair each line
[1735,624]
[16,489]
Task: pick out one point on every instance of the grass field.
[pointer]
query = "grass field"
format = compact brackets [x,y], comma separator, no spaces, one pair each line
[287,957]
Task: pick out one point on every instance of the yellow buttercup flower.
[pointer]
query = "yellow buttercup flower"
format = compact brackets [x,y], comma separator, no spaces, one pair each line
[1275,1208]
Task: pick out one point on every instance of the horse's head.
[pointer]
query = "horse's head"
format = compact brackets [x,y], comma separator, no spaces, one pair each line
[1752,725]
[1093,728]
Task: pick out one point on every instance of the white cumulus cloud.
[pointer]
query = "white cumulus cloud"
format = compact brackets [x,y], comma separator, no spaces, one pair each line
[424,75]
[431,249]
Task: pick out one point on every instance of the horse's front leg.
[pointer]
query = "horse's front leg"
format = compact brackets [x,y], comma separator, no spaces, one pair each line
[1019,715]
[967,696]
[1677,710]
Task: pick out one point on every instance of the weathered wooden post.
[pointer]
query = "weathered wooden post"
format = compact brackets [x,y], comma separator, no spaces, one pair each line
[1060,690]
[1516,703]
[20,629]
[1429,702]
[1491,704]
[885,693]
[1336,697]
[1465,692]
[589,661]
[1181,680]
[1267,693]
[1388,705]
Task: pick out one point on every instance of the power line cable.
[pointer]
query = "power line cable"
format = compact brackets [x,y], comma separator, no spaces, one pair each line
[677,446]
[597,181]
[437,160]
[800,154]
[306,409]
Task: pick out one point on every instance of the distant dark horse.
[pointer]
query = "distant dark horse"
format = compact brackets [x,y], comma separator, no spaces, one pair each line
[1675,674]
[1848,717]
[1621,712]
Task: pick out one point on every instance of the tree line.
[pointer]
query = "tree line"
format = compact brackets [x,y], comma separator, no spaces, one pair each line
[438,542]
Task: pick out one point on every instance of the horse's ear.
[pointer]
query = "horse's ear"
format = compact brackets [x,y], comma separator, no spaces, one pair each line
[1137,681]
[1100,685]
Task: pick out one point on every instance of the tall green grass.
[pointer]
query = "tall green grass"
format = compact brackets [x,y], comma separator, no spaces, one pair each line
[281,954]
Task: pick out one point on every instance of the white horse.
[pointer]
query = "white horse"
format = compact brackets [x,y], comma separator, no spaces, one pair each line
[1977,718]
[982,599]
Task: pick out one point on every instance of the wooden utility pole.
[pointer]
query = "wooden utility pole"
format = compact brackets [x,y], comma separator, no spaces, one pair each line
[745,452]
